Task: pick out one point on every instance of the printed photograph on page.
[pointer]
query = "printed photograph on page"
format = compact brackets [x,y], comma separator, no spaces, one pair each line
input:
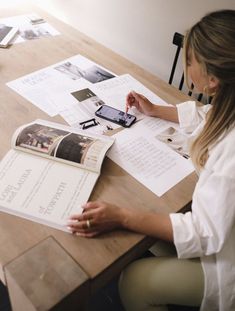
[29,28]
[93,73]
[40,138]
[88,103]
[33,33]
[175,140]
[76,148]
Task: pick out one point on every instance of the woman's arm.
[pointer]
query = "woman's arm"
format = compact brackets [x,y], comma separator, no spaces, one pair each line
[168,113]
[139,101]
[99,217]
[153,224]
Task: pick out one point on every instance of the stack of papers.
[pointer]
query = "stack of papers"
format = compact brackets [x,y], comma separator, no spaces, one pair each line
[153,151]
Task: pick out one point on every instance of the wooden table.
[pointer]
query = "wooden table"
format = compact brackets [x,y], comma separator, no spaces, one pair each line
[45,268]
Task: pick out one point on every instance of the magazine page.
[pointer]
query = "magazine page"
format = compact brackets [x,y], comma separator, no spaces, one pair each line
[42,190]
[62,143]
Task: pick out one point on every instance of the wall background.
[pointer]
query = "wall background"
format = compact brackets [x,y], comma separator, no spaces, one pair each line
[140,30]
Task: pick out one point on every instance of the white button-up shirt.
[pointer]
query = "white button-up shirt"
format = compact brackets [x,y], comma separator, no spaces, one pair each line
[208,231]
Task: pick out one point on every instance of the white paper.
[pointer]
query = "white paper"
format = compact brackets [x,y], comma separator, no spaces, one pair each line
[43,190]
[152,162]
[50,172]
[28,31]
[112,92]
[50,88]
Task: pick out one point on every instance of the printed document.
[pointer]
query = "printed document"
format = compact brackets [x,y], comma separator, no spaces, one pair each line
[53,89]
[50,171]
[154,152]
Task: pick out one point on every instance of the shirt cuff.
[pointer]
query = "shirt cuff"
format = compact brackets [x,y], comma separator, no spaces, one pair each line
[186,239]
[188,116]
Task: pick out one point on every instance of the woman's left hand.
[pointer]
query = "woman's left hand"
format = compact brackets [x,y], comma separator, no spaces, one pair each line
[97,217]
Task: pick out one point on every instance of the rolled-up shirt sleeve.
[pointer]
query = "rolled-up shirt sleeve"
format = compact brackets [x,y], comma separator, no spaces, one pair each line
[205,230]
[186,238]
[191,116]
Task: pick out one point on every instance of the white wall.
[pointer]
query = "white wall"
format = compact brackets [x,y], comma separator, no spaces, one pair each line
[140,30]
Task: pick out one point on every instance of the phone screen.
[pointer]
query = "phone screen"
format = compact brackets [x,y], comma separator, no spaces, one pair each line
[115,115]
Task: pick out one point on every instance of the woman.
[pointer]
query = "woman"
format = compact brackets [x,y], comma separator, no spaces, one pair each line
[204,274]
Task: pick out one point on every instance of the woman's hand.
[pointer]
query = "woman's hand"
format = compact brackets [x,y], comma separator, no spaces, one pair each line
[97,217]
[139,101]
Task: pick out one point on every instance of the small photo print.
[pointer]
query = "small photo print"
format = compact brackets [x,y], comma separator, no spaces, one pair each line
[33,33]
[93,74]
[175,140]
[87,97]
[71,71]
[96,74]
[40,138]
[89,103]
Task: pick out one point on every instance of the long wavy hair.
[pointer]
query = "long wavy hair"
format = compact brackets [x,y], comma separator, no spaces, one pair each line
[212,41]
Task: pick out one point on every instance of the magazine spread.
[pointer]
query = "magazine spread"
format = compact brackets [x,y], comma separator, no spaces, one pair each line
[50,171]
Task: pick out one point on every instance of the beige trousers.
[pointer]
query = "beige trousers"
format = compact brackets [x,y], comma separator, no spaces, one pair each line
[153,283]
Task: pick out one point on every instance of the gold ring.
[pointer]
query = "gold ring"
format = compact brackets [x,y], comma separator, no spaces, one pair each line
[88,224]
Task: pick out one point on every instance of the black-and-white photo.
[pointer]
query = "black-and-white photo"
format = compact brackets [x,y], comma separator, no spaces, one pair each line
[87,97]
[93,74]
[96,74]
[33,33]
[70,70]
[175,140]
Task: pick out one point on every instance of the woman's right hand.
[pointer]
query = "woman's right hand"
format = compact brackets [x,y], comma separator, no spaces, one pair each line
[139,101]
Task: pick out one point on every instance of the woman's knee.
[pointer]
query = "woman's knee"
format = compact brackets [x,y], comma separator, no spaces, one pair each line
[138,285]
[132,285]
[159,281]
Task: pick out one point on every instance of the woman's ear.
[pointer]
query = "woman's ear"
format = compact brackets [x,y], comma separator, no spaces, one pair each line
[213,83]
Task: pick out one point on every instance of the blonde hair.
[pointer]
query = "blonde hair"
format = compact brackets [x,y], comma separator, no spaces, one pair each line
[212,41]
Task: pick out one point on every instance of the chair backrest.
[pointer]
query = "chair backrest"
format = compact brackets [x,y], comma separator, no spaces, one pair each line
[178,40]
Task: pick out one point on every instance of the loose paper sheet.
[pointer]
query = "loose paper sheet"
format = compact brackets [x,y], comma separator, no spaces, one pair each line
[112,92]
[50,88]
[139,151]
[76,87]
[27,30]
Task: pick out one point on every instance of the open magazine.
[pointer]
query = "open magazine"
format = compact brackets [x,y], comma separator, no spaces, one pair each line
[50,171]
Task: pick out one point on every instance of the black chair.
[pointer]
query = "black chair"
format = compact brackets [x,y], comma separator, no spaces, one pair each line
[178,40]
[4,298]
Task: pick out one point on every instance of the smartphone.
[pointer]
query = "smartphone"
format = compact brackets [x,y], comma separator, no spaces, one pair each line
[115,115]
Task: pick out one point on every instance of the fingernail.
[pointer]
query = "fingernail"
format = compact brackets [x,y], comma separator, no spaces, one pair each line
[73,221]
